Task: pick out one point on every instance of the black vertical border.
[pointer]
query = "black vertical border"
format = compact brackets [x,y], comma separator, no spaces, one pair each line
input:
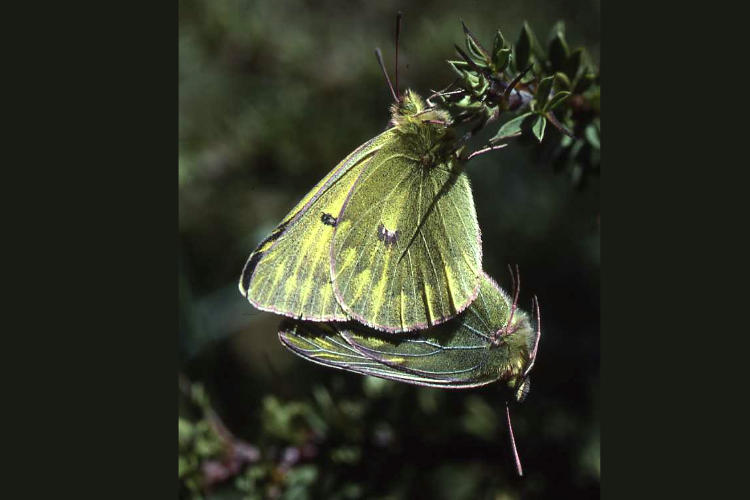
[126,432]
[668,200]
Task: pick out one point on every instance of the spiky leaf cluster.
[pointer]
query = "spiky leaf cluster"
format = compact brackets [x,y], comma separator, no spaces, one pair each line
[526,87]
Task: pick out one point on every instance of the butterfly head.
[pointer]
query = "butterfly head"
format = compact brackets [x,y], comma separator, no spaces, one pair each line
[412,110]
[518,346]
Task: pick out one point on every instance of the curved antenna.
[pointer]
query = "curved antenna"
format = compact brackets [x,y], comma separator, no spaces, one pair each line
[508,328]
[516,291]
[385,72]
[532,355]
[444,92]
[399,15]
[519,468]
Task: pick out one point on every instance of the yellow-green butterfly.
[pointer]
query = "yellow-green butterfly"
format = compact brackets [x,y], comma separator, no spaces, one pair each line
[490,341]
[389,237]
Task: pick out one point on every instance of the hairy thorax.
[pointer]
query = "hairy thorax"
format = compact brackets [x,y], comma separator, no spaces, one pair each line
[424,131]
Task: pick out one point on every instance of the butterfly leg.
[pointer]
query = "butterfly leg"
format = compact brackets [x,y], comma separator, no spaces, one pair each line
[485,150]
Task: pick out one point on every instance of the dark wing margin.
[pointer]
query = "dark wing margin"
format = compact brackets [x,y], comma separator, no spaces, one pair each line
[252,261]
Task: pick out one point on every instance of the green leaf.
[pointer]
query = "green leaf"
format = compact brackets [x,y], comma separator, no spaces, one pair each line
[511,128]
[346,454]
[460,67]
[576,175]
[500,60]
[477,83]
[576,149]
[556,100]
[480,419]
[536,48]
[185,430]
[485,85]
[562,81]
[592,135]
[557,29]
[573,64]
[499,42]
[476,51]
[543,91]
[523,48]
[584,82]
[304,475]
[500,53]
[558,49]
[184,466]
[538,127]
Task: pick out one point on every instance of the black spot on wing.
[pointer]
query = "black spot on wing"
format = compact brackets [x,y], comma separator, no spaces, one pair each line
[388,237]
[328,219]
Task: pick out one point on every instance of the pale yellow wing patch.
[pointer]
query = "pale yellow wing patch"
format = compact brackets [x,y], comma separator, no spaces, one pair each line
[406,251]
[289,272]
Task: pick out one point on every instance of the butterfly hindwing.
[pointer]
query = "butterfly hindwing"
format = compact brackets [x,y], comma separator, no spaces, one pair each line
[406,251]
[289,272]
[457,354]
[413,360]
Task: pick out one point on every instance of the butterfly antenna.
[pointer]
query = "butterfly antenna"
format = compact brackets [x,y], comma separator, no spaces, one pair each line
[398,36]
[516,284]
[519,468]
[516,291]
[532,356]
[387,79]
[444,92]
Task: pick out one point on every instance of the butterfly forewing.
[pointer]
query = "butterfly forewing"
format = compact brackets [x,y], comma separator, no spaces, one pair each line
[406,251]
[458,354]
[289,272]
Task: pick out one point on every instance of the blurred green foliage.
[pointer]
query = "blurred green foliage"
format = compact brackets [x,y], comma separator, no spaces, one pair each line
[272,95]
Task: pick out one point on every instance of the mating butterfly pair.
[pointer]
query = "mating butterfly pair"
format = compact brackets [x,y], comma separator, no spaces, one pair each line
[380,267]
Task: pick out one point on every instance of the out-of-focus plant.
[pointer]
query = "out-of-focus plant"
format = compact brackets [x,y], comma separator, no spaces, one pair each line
[295,439]
[328,444]
[209,453]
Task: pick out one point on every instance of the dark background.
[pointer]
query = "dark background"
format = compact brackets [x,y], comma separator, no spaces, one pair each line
[271,96]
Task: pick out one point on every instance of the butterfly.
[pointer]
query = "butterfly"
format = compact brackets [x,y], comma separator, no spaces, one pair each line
[490,341]
[388,238]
